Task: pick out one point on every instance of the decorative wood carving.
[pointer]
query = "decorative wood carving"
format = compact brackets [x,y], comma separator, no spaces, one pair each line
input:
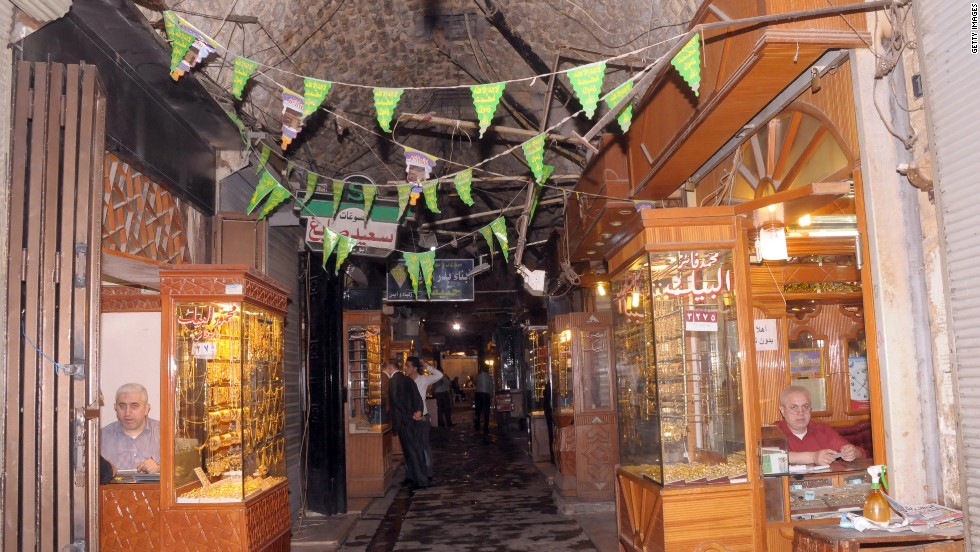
[212,279]
[129,517]
[140,217]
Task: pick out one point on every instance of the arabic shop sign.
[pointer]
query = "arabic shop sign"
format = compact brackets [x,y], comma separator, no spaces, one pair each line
[376,239]
[700,276]
[449,282]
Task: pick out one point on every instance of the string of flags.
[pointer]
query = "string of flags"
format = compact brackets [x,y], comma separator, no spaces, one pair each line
[190,47]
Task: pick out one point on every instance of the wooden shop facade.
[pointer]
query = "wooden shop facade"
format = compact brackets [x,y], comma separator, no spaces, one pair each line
[731,229]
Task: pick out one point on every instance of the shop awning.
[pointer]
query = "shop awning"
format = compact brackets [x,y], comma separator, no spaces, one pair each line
[675,132]
[169,130]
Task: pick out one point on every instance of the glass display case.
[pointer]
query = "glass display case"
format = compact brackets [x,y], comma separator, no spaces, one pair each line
[228,396]
[365,361]
[540,372]
[223,466]
[367,348]
[682,399]
[583,374]
[562,387]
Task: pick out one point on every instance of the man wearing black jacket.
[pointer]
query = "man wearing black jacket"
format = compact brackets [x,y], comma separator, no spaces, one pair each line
[406,419]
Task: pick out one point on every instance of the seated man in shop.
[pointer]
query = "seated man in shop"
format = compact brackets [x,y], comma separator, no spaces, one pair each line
[132,442]
[810,442]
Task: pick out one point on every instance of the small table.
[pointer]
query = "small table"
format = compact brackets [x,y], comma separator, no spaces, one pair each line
[832,538]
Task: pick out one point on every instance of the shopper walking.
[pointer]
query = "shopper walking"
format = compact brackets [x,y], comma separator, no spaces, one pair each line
[484,392]
[441,390]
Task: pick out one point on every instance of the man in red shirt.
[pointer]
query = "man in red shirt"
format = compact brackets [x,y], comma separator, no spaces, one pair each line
[810,442]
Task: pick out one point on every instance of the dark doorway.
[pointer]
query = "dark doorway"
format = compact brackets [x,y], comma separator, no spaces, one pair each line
[325,456]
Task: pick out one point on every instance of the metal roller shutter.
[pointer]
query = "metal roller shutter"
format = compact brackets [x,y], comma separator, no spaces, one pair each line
[951,75]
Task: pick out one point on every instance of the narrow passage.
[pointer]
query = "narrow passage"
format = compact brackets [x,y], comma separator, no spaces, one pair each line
[487,496]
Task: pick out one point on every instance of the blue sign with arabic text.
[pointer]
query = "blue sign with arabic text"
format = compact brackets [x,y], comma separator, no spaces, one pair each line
[450,282]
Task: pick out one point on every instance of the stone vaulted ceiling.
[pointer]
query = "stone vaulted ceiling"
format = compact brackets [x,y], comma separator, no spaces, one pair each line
[418,43]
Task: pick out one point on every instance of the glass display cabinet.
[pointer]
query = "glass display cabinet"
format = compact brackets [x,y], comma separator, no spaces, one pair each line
[583,376]
[681,350]
[370,466]
[684,400]
[222,416]
[539,374]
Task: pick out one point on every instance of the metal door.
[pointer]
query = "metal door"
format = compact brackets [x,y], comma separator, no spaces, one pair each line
[49,380]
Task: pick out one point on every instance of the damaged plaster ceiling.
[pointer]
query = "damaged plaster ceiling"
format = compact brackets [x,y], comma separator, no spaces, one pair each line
[417,43]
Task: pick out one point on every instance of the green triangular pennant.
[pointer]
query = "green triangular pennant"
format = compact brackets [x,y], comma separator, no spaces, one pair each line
[688,63]
[385,100]
[263,158]
[463,183]
[314,91]
[625,117]
[266,184]
[330,239]
[485,100]
[278,195]
[311,178]
[404,193]
[241,72]
[338,192]
[370,190]
[587,83]
[180,40]
[430,189]
[534,153]
[412,265]
[344,247]
[427,262]
[487,234]
[499,227]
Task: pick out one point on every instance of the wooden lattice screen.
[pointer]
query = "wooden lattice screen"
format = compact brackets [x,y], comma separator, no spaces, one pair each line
[50,411]
[140,217]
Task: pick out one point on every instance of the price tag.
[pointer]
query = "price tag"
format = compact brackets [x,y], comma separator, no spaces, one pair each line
[205,482]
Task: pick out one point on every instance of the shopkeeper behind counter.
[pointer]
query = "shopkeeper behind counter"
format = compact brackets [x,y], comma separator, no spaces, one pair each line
[810,442]
[132,442]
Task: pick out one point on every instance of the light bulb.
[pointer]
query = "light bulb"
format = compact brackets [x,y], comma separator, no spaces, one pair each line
[601,289]
[636,299]
[805,220]
[456,326]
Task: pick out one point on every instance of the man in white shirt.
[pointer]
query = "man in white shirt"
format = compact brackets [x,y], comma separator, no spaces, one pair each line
[413,368]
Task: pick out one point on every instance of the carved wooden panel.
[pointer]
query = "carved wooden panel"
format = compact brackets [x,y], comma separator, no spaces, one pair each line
[140,217]
[202,530]
[129,517]
[596,459]
[212,279]
[127,299]
[268,517]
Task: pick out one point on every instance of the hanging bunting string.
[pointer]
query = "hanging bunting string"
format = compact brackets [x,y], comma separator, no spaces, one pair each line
[228,52]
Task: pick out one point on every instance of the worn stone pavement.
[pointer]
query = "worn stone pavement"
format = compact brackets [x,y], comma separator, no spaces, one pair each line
[487,497]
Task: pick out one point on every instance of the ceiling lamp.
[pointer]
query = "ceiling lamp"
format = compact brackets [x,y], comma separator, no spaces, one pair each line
[600,288]
[770,245]
[456,326]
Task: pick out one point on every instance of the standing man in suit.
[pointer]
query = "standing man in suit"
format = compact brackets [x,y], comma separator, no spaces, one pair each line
[406,418]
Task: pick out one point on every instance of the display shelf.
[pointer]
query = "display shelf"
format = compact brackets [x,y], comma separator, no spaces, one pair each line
[583,378]
[223,407]
[367,348]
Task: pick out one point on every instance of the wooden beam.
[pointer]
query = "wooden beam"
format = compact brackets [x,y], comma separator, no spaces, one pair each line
[432,119]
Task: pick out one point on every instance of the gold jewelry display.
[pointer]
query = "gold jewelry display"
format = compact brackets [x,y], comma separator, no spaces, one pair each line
[230,395]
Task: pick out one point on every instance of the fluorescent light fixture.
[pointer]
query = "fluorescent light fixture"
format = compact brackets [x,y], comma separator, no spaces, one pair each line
[479,269]
[771,244]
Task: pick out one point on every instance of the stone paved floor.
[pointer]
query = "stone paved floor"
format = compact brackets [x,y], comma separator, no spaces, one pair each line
[487,497]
